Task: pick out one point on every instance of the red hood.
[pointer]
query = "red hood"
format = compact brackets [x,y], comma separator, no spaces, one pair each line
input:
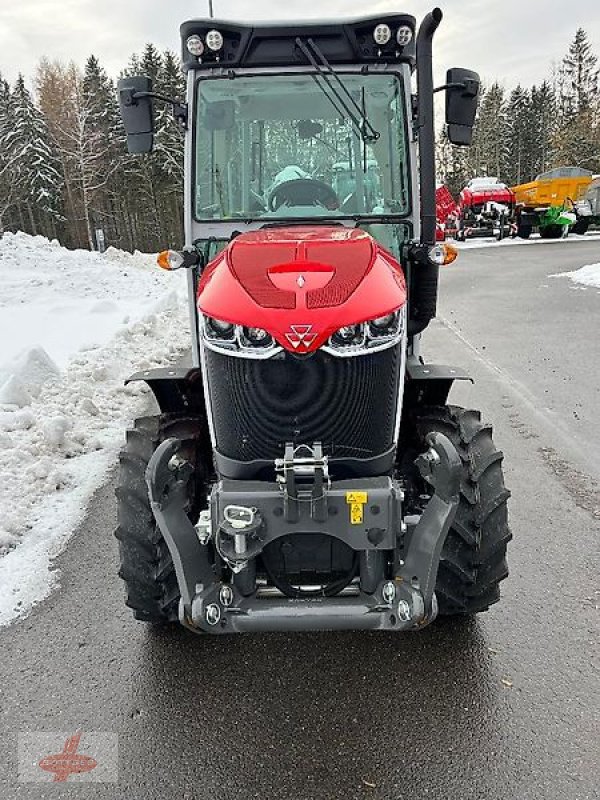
[283,279]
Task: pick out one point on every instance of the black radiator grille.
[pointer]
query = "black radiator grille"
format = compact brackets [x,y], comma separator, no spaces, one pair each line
[348,404]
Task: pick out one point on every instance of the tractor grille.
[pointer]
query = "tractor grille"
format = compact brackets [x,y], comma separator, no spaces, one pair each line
[348,404]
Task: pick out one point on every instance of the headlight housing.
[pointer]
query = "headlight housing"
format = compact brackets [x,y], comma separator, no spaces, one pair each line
[374,334]
[238,339]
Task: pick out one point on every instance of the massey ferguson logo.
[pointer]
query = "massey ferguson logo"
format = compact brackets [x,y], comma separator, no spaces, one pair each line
[300,336]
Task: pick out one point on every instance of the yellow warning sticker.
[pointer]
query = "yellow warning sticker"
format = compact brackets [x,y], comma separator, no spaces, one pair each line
[357,497]
[356,513]
[356,501]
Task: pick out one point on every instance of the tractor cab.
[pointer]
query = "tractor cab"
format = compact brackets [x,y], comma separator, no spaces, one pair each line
[301,123]
[312,123]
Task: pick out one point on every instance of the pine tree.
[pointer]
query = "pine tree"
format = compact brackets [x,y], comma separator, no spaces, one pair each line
[168,147]
[452,165]
[35,172]
[577,140]
[489,153]
[169,139]
[7,159]
[154,192]
[579,76]
[543,118]
[57,91]
[520,134]
[102,128]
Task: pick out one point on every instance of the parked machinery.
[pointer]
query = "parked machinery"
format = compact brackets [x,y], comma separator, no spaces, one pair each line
[553,203]
[485,208]
[590,206]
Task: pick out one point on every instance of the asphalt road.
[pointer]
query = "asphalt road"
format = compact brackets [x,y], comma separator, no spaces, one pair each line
[506,706]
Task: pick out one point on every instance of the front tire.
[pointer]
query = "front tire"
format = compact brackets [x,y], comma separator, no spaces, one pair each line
[552,232]
[581,226]
[524,231]
[146,566]
[473,561]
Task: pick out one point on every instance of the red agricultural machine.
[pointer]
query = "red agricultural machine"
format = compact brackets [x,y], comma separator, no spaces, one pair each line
[485,207]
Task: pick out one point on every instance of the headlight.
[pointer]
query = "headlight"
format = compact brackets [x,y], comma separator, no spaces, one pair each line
[219,329]
[349,336]
[404,35]
[195,45]
[376,334]
[214,41]
[382,325]
[256,337]
[237,339]
[382,34]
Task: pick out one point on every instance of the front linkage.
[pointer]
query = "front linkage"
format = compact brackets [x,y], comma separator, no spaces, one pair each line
[244,517]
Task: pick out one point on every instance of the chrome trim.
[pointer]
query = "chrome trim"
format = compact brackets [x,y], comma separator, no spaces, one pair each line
[207,401]
[402,378]
[256,354]
[359,351]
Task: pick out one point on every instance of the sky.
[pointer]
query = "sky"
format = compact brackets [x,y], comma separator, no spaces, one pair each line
[509,40]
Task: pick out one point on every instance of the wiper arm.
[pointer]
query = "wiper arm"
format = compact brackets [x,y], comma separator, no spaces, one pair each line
[370,134]
[336,101]
[350,107]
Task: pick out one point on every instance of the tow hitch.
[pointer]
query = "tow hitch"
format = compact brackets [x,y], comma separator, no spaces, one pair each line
[244,517]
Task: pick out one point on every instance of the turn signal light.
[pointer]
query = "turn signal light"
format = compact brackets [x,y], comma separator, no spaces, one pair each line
[443,254]
[169,259]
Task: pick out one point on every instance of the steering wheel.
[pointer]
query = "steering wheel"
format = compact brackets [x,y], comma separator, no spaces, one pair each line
[303,192]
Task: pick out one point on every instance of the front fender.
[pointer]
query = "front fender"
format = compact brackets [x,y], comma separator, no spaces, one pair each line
[176,389]
[430,384]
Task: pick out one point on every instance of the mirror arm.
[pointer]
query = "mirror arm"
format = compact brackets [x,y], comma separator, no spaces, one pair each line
[466,87]
[450,86]
[469,87]
[129,97]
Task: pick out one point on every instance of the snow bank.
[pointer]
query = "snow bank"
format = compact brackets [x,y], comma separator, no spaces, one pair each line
[73,325]
[587,276]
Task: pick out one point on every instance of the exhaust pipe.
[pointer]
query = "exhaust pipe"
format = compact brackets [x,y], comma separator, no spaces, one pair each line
[424,275]
[425,124]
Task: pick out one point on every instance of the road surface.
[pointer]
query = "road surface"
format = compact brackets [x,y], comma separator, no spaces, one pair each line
[503,707]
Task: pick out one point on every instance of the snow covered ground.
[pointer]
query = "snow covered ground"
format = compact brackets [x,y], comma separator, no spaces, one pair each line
[585,276]
[473,244]
[73,326]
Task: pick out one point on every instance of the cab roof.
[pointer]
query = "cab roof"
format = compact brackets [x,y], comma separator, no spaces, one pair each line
[274,44]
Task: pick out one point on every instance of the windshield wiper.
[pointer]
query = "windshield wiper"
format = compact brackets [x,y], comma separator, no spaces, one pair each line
[349,106]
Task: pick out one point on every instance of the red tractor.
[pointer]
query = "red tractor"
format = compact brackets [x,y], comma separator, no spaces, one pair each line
[485,207]
[306,471]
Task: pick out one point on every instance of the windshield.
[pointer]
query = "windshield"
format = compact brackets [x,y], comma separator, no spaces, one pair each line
[273,146]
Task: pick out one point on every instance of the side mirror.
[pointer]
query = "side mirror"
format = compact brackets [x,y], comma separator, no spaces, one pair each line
[462,94]
[136,110]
